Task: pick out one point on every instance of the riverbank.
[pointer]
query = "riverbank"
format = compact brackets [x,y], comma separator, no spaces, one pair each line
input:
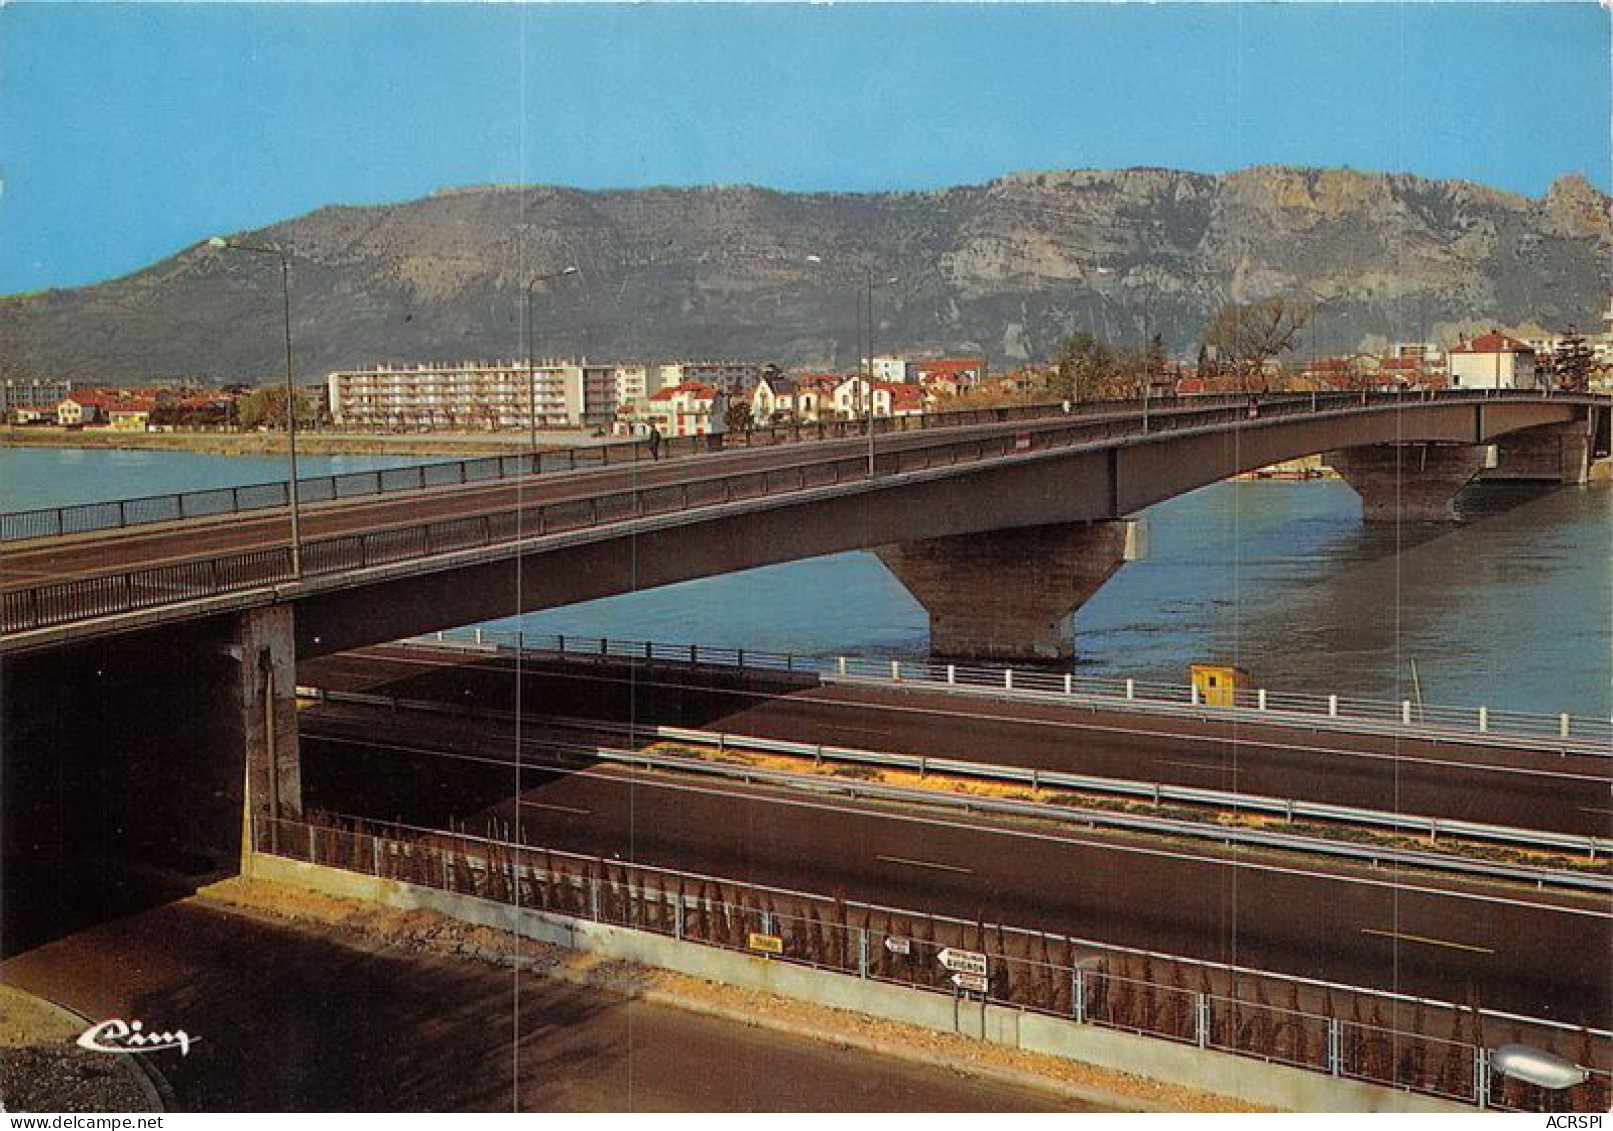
[439,445]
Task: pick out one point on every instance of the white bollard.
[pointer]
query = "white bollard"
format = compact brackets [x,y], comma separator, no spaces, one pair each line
[1333,706]
[842,665]
[1069,683]
[1260,701]
[1131,689]
[1008,678]
[478,636]
[1484,719]
[1562,724]
[952,673]
[896,670]
[1405,712]
[1194,689]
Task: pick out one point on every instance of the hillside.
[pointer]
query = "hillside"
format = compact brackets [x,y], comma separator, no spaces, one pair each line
[1007,268]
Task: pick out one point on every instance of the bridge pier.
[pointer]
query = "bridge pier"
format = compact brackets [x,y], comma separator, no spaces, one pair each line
[1012,594]
[263,696]
[1551,453]
[1408,482]
[126,761]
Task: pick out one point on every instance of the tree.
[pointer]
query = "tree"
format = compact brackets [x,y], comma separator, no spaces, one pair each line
[266,408]
[1086,368]
[738,417]
[1572,362]
[1248,335]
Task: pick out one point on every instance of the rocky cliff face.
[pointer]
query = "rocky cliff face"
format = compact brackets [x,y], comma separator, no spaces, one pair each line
[1008,268]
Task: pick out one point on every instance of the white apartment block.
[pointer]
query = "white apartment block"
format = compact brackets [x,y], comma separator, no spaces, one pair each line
[475,395]
[637,382]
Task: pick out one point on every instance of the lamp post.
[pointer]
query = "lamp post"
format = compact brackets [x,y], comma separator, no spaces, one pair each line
[868,366]
[532,361]
[291,388]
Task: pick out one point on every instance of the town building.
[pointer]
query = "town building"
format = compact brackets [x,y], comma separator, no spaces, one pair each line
[898,398]
[88,406]
[475,395]
[1492,361]
[16,395]
[774,400]
[691,408]
[130,414]
[732,377]
[892,368]
[962,373]
[637,382]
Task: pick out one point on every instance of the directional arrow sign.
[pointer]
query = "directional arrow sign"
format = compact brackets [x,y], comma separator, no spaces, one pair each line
[898,945]
[971,982]
[963,961]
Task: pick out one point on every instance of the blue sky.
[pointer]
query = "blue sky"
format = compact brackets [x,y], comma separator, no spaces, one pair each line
[130,131]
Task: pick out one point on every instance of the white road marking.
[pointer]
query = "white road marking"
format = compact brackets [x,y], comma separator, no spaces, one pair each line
[926,864]
[1448,945]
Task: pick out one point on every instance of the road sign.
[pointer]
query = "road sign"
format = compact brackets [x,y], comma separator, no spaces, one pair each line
[963,961]
[1022,441]
[973,982]
[768,944]
[898,945]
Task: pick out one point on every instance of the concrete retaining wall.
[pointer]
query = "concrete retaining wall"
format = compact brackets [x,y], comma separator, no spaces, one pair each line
[1242,1078]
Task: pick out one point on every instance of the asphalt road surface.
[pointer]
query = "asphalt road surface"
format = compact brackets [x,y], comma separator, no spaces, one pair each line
[289,1020]
[1538,954]
[1451,780]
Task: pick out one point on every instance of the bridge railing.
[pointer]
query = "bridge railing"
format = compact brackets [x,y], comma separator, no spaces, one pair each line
[1579,734]
[61,602]
[1396,1040]
[52,522]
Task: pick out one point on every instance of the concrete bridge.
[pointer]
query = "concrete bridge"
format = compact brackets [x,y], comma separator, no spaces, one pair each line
[169,650]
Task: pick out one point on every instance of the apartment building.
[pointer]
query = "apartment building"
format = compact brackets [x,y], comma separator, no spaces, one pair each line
[475,395]
[15,395]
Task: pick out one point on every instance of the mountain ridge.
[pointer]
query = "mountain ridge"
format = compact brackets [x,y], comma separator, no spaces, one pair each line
[1007,267]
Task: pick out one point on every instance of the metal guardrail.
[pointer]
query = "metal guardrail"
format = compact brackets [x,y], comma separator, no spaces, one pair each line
[1562,733]
[859,790]
[51,522]
[1229,1009]
[60,603]
[1156,793]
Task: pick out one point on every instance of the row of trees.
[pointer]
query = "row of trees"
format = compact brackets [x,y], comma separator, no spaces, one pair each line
[1238,342]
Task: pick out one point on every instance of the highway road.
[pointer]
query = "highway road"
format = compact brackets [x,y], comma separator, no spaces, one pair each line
[1541,954]
[1450,780]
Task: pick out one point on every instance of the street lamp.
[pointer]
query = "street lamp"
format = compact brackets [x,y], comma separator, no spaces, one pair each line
[532,362]
[291,387]
[868,366]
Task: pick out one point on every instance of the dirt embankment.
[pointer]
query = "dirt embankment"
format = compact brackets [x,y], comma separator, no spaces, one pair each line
[430,932]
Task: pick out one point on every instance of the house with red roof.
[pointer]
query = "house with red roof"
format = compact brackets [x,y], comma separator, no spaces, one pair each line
[686,409]
[1492,361]
[898,398]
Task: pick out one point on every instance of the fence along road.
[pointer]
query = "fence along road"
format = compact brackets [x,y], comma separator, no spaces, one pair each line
[1535,953]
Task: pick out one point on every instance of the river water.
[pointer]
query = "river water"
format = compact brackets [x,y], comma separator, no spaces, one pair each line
[1513,608]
